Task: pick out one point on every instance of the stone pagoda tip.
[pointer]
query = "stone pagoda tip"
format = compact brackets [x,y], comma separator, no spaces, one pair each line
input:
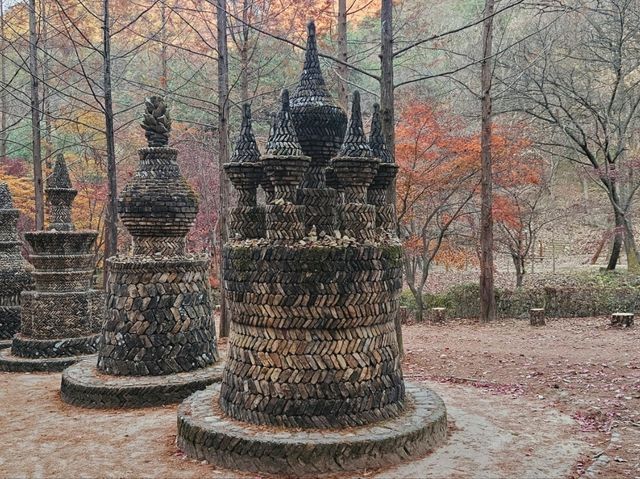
[156,122]
[376,138]
[284,98]
[355,143]
[284,141]
[246,149]
[60,176]
[6,201]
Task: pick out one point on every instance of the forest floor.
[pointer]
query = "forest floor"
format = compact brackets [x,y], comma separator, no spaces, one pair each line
[561,400]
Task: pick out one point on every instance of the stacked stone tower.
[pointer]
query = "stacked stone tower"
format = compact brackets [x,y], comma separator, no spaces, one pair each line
[313,341]
[158,341]
[14,270]
[62,316]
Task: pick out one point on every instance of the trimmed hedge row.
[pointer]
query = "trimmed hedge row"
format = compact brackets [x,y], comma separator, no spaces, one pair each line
[462,301]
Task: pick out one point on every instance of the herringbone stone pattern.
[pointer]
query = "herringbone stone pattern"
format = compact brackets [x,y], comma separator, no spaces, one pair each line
[14,270]
[158,317]
[312,327]
[17,364]
[206,433]
[26,347]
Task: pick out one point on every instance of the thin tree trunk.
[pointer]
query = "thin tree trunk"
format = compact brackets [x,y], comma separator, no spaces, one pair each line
[487,294]
[244,54]
[46,103]
[111,223]
[3,93]
[35,116]
[387,104]
[343,55]
[519,264]
[164,76]
[223,147]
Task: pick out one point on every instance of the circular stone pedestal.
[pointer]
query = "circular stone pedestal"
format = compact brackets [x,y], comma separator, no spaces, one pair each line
[18,364]
[83,385]
[205,432]
[5,343]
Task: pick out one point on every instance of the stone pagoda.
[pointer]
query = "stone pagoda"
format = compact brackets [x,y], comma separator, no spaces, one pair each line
[158,342]
[14,270]
[313,347]
[61,318]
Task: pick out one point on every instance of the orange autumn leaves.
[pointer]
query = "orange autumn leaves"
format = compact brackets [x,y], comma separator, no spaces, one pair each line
[438,179]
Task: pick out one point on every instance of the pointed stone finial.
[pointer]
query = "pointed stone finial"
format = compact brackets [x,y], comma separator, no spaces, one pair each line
[284,141]
[376,138]
[246,149]
[157,122]
[311,88]
[6,201]
[273,117]
[355,143]
[59,178]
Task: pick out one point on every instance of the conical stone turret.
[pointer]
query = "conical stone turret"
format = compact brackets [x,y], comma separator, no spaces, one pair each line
[245,173]
[355,167]
[14,270]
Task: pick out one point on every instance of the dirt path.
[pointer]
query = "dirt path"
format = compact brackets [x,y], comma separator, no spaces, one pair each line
[511,411]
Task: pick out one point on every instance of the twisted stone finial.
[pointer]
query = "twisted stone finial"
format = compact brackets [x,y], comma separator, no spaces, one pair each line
[6,202]
[59,178]
[246,149]
[355,143]
[284,141]
[157,122]
[376,138]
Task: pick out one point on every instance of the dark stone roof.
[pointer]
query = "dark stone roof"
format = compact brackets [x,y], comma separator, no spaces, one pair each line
[6,201]
[60,176]
[355,143]
[284,141]
[311,89]
[376,138]
[246,149]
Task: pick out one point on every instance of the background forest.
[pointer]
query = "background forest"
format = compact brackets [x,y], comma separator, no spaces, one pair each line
[564,81]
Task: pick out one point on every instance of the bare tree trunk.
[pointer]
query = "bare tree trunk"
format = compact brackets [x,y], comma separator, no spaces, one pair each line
[223,147]
[343,55]
[487,294]
[3,93]
[46,103]
[244,54]
[387,104]
[519,263]
[111,222]
[35,116]
[164,76]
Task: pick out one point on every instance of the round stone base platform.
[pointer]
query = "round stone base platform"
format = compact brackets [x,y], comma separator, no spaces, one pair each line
[204,432]
[83,385]
[18,364]
[5,343]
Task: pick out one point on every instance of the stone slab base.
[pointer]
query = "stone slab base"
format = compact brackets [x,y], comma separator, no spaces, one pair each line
[5,343]
[83,385]
[17,364]
[26,347]
[205,433]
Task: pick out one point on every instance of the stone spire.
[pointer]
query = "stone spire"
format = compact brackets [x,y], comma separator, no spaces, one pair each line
[355,143]
[60,195]
[284,141]
[6,202]
[157,122]
[311,89]
[60,176]
[376,138]
[246,149]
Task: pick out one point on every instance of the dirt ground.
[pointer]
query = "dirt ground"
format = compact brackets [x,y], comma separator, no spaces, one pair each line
[581,367]
[558,401]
